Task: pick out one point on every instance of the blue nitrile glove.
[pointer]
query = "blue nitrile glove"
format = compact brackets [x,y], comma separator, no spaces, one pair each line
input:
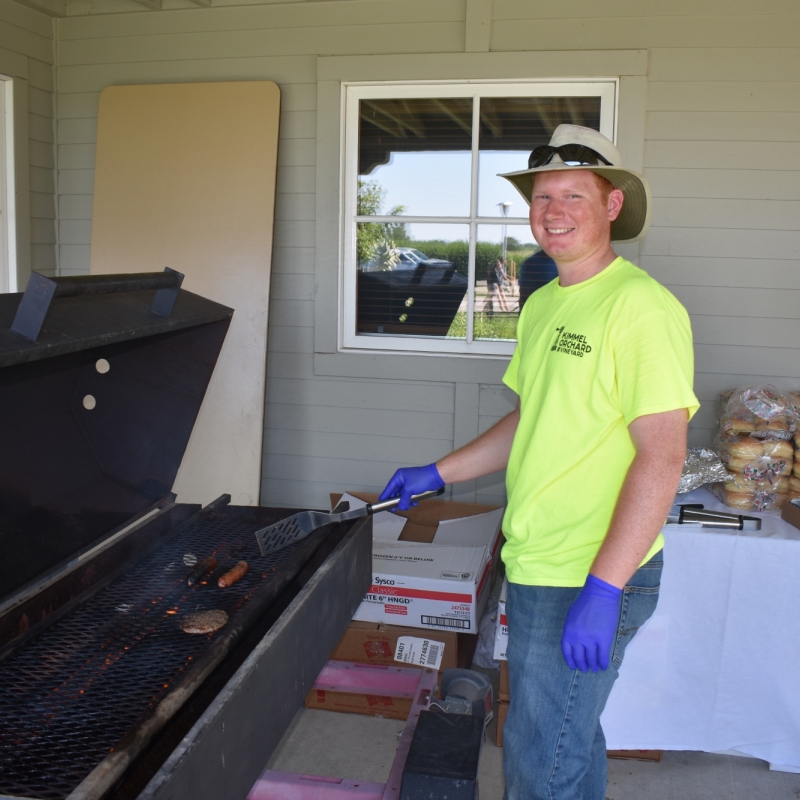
[412,480]
[591,626]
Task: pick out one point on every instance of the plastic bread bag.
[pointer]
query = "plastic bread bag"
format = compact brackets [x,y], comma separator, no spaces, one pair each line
[722,403]
[737,482]
[749,501]
[756,459]
[702,466]
[761,411]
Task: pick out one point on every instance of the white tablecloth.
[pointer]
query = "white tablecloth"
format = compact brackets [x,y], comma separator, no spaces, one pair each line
[717,667]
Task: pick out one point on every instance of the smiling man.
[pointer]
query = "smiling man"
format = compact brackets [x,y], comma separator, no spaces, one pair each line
[594,451]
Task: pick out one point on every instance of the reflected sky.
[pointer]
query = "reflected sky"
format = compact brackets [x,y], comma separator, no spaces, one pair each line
[437,184]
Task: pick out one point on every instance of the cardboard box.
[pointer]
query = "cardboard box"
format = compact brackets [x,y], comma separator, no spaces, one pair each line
[502,713]
[376,643]
[791,513]
[369,689]
[501,634]
[434,570]
[504,691]
[371,705]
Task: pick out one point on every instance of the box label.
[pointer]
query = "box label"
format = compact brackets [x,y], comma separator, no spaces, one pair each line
[445,622]
[458,576]
[377,649]
[421,652]
[501,633]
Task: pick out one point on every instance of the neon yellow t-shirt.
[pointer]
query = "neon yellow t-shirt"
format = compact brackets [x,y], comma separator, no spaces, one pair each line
[591,358]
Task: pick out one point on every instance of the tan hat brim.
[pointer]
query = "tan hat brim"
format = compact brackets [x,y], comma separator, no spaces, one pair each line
[634,219]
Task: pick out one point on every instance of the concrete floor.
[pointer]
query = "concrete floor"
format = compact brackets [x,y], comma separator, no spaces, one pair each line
[356,747]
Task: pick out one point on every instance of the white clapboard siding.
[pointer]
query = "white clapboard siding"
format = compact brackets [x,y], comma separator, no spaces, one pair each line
[747,273]
[299,179]
[637,31]
[757,60]
[739,96]
[333,40]
[95,77]
[721,152]
[353,13]
[724,155]
[495,402]
[292,260]
[624,9]
[725,184]
[762,215]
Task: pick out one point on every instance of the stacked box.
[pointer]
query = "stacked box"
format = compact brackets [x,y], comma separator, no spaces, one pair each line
[503,698]
[433,566]
[433,570]
[501,632]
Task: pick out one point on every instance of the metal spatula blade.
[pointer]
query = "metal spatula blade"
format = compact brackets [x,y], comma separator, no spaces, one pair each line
[298,526]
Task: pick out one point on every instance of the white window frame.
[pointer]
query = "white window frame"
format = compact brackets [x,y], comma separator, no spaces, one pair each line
[352,93]
[8,219]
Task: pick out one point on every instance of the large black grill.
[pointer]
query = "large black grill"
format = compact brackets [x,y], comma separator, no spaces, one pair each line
[101,692]
[72,694]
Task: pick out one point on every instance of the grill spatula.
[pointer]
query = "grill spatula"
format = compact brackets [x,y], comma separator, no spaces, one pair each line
[298,526]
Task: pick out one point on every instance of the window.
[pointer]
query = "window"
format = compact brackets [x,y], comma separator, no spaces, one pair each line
[8,250]
[433,240]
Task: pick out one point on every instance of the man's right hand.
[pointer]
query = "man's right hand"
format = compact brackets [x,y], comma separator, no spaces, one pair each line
[410,481]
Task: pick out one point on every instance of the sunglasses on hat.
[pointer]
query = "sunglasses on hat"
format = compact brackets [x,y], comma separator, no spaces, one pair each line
[573,155]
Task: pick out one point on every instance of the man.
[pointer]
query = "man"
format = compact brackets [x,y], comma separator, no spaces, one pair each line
[594,451]
[496,279]
[534,272]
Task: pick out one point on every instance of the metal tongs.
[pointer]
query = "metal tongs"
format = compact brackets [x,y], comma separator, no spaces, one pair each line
[697,514]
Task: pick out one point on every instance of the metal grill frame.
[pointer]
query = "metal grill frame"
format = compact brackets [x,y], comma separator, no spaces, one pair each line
[112,767]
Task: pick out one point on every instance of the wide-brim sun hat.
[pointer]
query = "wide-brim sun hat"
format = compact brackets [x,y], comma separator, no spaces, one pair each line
[634,219]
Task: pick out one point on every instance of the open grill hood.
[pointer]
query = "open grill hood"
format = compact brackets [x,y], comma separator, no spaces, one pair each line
[85,450]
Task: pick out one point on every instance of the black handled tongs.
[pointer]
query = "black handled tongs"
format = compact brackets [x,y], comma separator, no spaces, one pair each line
[696,514]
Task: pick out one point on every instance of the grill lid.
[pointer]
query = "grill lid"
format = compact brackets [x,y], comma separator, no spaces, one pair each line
[96,412]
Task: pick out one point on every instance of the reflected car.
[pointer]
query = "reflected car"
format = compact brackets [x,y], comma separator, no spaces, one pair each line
[408,258]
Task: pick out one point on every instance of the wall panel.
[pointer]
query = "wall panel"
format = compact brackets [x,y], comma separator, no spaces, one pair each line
[721,152]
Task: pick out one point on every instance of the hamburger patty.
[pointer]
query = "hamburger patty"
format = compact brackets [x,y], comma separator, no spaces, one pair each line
[204,621]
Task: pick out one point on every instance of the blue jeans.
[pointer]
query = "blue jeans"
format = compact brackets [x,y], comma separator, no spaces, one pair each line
[553,745]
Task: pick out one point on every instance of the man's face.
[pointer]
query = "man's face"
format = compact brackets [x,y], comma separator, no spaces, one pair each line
[571,215]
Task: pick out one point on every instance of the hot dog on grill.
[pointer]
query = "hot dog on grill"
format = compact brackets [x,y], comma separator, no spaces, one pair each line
[230,577]
[200,569]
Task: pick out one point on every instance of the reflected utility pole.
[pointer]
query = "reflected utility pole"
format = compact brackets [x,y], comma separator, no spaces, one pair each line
[504,206]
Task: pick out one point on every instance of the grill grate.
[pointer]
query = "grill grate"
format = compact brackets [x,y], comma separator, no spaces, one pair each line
[72,694]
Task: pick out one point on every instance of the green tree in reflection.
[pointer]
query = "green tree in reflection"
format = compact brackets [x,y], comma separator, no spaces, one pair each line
[377,242]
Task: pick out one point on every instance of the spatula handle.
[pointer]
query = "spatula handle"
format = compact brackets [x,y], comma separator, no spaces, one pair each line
[393,501]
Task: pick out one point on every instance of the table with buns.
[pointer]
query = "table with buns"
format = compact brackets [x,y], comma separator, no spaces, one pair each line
[715,668]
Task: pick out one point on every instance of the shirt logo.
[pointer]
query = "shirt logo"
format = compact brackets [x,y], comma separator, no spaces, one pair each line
[573,344]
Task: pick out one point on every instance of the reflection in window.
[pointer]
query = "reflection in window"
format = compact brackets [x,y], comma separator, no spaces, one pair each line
[513,126]
[414,284]
[500,252]
[421,150]
[442,246]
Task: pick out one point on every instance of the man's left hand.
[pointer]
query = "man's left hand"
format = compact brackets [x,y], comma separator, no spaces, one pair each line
[591,626]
